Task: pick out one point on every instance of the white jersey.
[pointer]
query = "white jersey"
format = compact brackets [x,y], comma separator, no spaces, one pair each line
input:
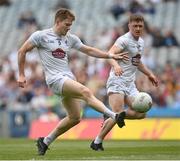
[133,47]
[53,51]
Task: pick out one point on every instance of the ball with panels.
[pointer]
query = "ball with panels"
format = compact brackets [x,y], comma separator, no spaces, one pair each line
[142,102]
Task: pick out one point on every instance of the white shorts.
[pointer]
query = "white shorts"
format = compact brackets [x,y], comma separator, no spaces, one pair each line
[57,86]
[122,87]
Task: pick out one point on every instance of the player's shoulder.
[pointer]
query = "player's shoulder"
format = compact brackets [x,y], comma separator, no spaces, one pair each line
[127,35]
[71,35]
[141,40]
[122,39]
[124,36]
[44,32]
[42,36]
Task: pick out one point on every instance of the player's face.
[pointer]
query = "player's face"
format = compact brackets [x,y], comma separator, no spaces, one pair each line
[136,28]
[64,26]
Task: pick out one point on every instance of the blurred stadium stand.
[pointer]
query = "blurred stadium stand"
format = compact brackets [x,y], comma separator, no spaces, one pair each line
[166,17]
[95,25]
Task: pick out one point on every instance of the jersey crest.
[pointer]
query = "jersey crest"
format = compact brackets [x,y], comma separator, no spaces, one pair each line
[59,53]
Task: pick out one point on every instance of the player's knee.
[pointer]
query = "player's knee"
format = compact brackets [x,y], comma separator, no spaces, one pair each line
[75,120]
[86,93]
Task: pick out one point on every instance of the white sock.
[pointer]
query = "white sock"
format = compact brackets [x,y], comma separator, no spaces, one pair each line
[109,113]
[49,139]
[98,140]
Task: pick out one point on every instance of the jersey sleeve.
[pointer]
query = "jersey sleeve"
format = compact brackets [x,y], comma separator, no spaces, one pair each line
[76,42]
[35,38]
[121,43]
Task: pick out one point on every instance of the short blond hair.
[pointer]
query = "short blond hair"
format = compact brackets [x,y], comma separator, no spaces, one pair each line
[63,14]
[136,17]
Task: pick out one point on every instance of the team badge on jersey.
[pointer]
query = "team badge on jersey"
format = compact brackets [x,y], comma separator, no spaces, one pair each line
[58,53]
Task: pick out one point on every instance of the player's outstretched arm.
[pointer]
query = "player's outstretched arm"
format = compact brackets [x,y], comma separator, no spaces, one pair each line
[94,52]
[27,46]
[148,73]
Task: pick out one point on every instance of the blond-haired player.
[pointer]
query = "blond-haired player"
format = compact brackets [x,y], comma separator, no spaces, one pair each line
[54,47]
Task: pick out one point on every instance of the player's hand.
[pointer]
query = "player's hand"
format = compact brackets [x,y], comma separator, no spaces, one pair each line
[121,56]
[21,81]
[153,80]
[117,70]
[136,60]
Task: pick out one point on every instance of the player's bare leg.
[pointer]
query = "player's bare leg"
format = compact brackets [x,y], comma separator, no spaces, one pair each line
[74,89]
[72,107]
[116,101]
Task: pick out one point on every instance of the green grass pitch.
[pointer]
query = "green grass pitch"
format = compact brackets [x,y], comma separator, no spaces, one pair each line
[24,149]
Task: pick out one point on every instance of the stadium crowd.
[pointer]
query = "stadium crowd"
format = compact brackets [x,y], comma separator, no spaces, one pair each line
[89,71]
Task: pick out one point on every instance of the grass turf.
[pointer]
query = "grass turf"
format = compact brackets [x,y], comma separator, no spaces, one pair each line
[24,149]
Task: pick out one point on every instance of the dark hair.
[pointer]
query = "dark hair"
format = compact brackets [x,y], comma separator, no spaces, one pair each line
[136,17]
[63,14]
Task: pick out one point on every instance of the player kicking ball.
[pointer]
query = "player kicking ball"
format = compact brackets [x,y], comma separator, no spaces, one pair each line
[54,47]
[121,88]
